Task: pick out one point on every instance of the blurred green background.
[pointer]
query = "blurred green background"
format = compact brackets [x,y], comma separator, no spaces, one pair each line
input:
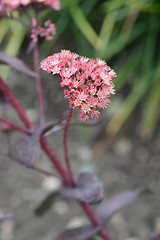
[126,33]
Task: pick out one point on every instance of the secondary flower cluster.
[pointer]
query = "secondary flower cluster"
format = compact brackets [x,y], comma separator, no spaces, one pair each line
[88,83]
[10,5]
[48,31]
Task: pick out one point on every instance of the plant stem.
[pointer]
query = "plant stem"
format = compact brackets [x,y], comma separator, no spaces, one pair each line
[15,126]
[89,211]
[95,220]
[38,85]
[54,159]
[5,127]
[105,235]
[44,172]
[67,181]
[15,104]
[65,146]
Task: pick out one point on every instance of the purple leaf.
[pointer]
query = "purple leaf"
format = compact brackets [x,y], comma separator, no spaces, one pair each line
[16,63]
[107,208]
[155,236]
[6,217]
[28,148]
[54,129]
[89,189]
[30,47]
[81,233]
[51,128]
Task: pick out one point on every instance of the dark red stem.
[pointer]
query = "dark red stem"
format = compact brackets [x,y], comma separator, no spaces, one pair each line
[54,159]
[15,126]
[105,235]
[38,85]
[95,220]
[15,104]
[65,146]
[67,181]
[44,172]
[89,211]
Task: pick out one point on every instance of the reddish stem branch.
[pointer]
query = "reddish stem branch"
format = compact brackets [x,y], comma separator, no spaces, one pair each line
[67,180]
[91,214]
[15,126]
[66,148]
[54,159]
[95,220]
[105,235]
[5,127]
[44,172]
[38,85]
[15,104]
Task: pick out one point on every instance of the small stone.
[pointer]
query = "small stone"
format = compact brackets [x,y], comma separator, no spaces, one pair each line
[7,228]
[157,224]
[121,226]
[77,222]
[84,154]
[123,147]
[60,207]
[51,184]
[132,238]
[89,168]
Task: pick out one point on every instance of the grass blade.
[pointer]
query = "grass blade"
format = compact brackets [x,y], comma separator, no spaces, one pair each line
[129,104]
[83,24]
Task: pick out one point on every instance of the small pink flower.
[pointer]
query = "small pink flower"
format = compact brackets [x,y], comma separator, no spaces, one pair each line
[88,83]
[52,3]
[48,31]
[25,2]
[11,5]
[34,22]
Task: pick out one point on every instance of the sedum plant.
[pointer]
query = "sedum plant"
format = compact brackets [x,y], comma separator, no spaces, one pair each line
[88,84]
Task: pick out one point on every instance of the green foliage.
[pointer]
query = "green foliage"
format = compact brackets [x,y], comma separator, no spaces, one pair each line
[126,33]
[11,37]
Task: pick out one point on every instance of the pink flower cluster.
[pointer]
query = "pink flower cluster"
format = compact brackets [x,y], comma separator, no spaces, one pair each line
[88,83]
[10,5]
[48,31]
